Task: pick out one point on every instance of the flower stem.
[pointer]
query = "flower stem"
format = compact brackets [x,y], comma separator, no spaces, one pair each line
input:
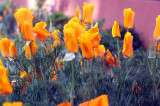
[72,86]
[118,52]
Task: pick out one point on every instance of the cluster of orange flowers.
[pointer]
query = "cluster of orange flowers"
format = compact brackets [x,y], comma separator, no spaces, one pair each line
[77,33]
[128,38]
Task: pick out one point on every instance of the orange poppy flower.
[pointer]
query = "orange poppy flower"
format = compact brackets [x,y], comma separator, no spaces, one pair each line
[4,12]
[24,20]
[95,35]
[64,104]
[99,51]
[128,18]
[7,47]
[31,49]
[5,86]
[87,13]
[115,30]
[110,58]
[71,43]
[13,104]
[77,12]
[128,45]
[157,47]
[99,101]
[156,35]
[42,33]
[77,25]
[86,46]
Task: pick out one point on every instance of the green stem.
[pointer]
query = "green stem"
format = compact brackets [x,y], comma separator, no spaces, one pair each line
[118,52]
[72,86]
[7,99]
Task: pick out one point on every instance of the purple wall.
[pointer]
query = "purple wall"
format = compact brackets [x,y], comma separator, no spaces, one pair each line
[146,12]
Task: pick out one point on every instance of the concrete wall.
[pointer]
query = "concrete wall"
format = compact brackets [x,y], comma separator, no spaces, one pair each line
[146,12]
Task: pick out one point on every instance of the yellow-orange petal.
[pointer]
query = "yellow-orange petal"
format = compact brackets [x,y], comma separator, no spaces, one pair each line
[54,34]
[156,35]
[99,51]
[64,104]
[128,18]
[41,25]
[12,50]
[13,104]
[77,12]
[110,58]
[22,15]
[116,30]
[4,46]
[128,45]
[23,74]
[87,13]
[27,31]
[1,63]
[5,86]
[86,46]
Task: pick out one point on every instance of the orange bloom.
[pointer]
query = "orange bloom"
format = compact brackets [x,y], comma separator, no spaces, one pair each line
[99,101]
[86,46]
[5,86]
[157,47]
[110,59]
[95,35]
[71,43]
[4,12]
[13,104]
[87,13]
[115,30]
[31,49]
[128,18]
[156,35]
[99,51]
[77,25]
[64,104]
[77,12]
[7,47]
[24,20]
[128,45]
[42,33]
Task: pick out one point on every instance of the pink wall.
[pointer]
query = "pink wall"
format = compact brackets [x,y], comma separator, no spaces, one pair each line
[146,12]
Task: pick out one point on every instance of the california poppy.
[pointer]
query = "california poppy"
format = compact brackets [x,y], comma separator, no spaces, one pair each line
[87,13]
[13,104]
[156,35]
[24,20]
[99,101]
[23,74]
[77,25]
[86,46]
[54,34]
[128,18]
[128,45]
[116,30]
[71,43]
[5,86]
[42,33]
[7,47]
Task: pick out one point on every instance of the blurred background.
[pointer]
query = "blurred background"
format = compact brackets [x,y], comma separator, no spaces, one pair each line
[146,12]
